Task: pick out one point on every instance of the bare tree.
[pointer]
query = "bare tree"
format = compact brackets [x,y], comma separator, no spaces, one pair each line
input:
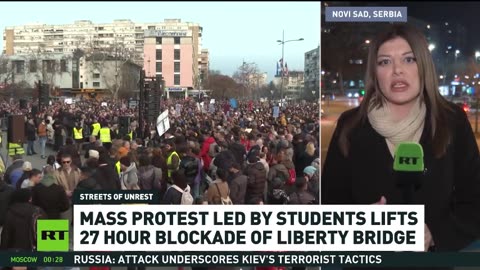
[118,54]
[223,86]
[6,70]
[246,75]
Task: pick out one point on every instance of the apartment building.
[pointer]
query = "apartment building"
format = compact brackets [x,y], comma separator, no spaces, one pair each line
[121,38]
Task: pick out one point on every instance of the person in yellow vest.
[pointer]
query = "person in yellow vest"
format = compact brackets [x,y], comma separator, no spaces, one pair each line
[96,128]
[128,136]
[15,149]
[78,136]
[173,160]
[105,137]
[122,152]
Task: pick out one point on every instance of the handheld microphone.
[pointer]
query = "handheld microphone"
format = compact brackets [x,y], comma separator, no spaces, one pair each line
[408,165]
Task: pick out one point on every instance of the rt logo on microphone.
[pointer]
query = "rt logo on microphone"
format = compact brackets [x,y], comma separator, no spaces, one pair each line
[408,160]
[408,157]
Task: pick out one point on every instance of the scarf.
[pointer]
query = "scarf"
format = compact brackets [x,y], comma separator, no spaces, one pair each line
[408,129]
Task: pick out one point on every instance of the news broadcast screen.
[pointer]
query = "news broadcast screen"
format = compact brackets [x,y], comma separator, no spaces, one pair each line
[399,126]
[257,136]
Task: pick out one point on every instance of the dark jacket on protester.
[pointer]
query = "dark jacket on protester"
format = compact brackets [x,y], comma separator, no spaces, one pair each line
[238,188]
[88,184]
[107,177]
[450,187]
[172,196]
[19,231]
[30,132]
[298,150]
[304,160]
[301,197]
[257,180]
[239,152]
[6,192]
[51,198]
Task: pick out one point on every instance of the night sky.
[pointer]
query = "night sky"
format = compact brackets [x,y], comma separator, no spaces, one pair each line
[465,13]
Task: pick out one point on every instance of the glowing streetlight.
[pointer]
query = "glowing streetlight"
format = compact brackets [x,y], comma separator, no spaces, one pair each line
[431,47]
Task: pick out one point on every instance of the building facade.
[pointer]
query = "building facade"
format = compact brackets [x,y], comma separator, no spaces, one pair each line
[203,66]
[293,84]
[55,69]
[108,76]
[122,38]
[174,55]
[312,71]
[71,74]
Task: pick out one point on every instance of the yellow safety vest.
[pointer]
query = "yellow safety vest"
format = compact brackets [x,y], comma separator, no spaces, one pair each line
[130,135]
[105,135]
[117,166]
[77,133]
[169,162]
[96,129]
[15,149]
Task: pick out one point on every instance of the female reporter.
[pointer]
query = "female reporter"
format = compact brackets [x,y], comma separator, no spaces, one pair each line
[402,103]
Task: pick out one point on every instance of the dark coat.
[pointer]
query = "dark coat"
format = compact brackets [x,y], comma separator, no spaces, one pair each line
[19,231]
[450,188]
[257,180]
[304,160]
[88,184]
[301,197]
[238,188]
[172,196]
[30,132]
[52,199]
[107,177]
[298,150]
[6,192]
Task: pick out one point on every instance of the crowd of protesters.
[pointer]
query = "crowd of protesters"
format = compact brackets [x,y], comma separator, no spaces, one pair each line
[213,153]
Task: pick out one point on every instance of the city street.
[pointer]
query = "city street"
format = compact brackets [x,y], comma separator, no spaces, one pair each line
[36,160]
[333,110]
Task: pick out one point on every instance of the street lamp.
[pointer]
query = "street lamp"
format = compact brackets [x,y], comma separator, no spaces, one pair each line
[282,42]
[431,47]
